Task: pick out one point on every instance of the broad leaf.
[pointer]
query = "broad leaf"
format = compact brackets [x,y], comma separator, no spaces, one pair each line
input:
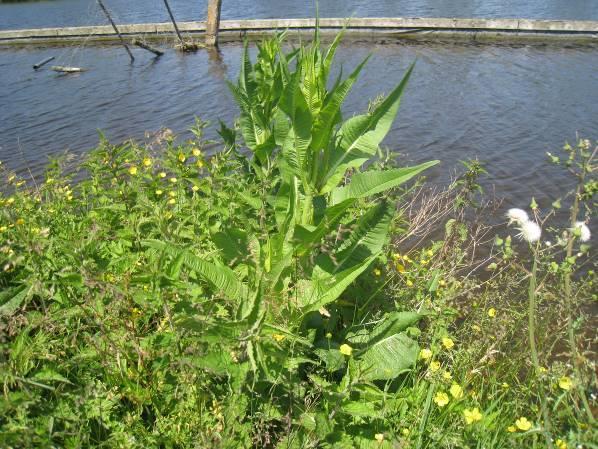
[372,182]
[388,358]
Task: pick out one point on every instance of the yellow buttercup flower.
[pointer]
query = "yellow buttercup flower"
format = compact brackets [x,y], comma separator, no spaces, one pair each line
[278,337]
[456,391]
[511,429]
[147,162]
[565,383]
[448,343]
[377,272]
[199,163]
[195,188]
[171,194]
[434,366]
[159,192]
[346,349]
[405,431]
[409,283]
[379,437]
[20,222]
[173,180]
[425,354]
[10,200]
[441,399]
[491,312]
[133,170]
[472,415]
[476,328]
[447,375]
[196,152]
[181,157]
[161,175]
[400,268]
[523,424]
[171,201]
[560,444]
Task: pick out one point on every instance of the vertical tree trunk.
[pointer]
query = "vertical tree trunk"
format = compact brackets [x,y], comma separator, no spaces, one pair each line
[213,22]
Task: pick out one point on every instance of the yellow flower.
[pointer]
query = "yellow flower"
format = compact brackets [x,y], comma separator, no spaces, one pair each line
[523,424]
[511,429]
[159,192]
[10,200]
[565,383]
[456,391]
[173,180]
[447,375]
[171,194]
[434,366]
[491,312]
[147,162]
[429,253]
[377,272]
[11,178]
[472,416]
[448,343]
[505,385]
[560,444]
[441,399]
[379,437]
[195,188]
[199,163]
[3,228]
[133,170]
[409,283]
[278,337]
[162,175]
[400,268]
[328,335]
[346,349]
[476,328]
[425,354]
[405,431]
[20,222]
[196,152]
[442,283]
[171,201]
[181,157]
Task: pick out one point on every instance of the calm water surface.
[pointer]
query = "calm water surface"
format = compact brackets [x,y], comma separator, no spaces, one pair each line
[506,105]
[83,12]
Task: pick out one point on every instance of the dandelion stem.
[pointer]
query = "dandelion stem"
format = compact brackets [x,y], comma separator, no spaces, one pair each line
[532,342]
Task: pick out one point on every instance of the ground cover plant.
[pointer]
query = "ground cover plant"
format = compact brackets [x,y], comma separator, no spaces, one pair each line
[285,292]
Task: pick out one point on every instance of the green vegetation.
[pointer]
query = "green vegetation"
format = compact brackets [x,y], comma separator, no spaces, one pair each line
[286,292]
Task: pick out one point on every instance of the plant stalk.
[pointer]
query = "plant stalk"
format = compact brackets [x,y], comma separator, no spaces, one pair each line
[531,315]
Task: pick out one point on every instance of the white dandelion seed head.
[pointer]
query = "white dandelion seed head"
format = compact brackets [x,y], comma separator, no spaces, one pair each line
[530,231]
[548,243]
[584,230]
[516,215]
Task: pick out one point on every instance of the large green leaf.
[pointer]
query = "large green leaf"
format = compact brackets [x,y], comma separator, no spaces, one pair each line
[360,136]
[368,236]
[371,182]
[388,358]
[220,277]
[324,288]
[392,323]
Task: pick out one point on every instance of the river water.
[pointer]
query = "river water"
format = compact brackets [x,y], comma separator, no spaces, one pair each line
[503,104]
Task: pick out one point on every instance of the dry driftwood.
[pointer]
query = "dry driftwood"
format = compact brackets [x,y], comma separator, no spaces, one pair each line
[65,69]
